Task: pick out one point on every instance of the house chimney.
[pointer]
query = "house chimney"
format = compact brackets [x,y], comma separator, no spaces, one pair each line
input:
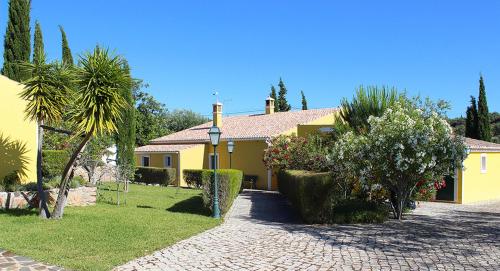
[217,114]
[269,106]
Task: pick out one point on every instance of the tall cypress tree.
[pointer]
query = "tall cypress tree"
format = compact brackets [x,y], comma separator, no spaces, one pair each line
[483,124]
[38,47]
[273,95]
[304,101]
[67,57]
[125,137]
[17,42]
[282,102]
[471,121]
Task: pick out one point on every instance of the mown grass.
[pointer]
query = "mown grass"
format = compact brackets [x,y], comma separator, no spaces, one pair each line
[103,236]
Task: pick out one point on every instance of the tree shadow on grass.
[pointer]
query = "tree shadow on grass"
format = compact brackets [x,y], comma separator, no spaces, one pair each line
[192,205]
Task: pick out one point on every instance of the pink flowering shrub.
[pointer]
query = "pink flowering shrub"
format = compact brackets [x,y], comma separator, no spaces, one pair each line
[299,153]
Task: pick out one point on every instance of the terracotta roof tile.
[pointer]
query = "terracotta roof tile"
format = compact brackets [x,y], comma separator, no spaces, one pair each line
[475,144]
[248,127]
[166,148]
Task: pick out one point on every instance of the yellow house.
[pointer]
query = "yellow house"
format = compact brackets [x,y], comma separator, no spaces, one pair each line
[18,136]
[479,180]
[190,148]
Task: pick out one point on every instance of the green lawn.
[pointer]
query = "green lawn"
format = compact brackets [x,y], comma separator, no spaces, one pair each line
[102,236]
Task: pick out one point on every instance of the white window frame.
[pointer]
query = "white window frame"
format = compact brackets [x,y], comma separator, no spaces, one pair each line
[169,164]
[210,158]
[484,163]
[142,160]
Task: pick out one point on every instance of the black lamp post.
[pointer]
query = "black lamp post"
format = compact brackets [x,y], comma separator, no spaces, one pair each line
[214,134]
[230,149]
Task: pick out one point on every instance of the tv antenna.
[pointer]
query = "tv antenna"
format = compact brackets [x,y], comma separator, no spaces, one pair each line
[216,94]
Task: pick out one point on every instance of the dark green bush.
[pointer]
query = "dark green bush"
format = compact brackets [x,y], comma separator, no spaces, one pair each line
[194,177]
[318,199]
[359,211]
[154,175]
[229,186]
[53,163]
[33,187]
[310,193]
[11,182]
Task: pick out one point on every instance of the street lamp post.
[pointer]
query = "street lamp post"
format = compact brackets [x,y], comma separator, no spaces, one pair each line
[214,134]
[230,149]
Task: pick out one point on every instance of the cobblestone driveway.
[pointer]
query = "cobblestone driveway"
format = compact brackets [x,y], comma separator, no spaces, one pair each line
[261,233]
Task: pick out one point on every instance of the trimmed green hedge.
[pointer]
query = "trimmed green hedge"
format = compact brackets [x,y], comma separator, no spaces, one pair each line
[318,200]
[194,177]
[230,184]
[155,175]
[53,163]
[310,193]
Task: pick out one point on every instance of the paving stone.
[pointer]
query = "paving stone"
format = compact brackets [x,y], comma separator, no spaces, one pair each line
[262,233]
[10,261]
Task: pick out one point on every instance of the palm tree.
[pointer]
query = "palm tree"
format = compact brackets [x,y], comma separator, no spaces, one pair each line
[99,80]
[369,101]
[46,93]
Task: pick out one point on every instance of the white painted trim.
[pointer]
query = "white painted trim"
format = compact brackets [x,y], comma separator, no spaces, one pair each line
[164,160]
[269,179]
[482,150]
[142,160]
[485,168]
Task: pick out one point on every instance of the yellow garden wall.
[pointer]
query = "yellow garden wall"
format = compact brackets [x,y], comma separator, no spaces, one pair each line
[14,127]
[247,157]
[475,186]
[191,158]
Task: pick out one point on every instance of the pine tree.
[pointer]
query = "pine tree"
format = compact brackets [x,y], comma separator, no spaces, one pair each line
[67,57]
[483,124]
[17,42]
[282,103]
[38,47]
[125,137]
[273,95]
[304,101]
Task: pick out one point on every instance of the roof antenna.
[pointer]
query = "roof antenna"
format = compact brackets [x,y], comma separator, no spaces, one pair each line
[216,94]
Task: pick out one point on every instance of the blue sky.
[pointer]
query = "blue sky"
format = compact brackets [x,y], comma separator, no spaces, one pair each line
[186,49]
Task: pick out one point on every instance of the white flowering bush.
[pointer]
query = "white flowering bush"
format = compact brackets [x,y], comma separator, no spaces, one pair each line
[347,160]
[405,147]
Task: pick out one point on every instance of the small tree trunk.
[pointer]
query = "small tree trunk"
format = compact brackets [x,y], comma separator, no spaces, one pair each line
[66,177]
[43,209]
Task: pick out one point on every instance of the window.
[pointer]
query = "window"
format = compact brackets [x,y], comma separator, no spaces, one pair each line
[212,161]
[145,161]
[167,161]
[483,163]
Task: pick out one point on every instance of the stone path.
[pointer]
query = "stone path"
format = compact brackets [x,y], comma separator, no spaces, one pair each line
[10,261]
[260,233]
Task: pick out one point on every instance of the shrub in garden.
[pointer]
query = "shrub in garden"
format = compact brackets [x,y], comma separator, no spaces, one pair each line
[194,177]
[11,182]
[319,199]
[409,144]
[298,153]
[312,194]
[229,185]
[359,211]
[53,163]
[154,175]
